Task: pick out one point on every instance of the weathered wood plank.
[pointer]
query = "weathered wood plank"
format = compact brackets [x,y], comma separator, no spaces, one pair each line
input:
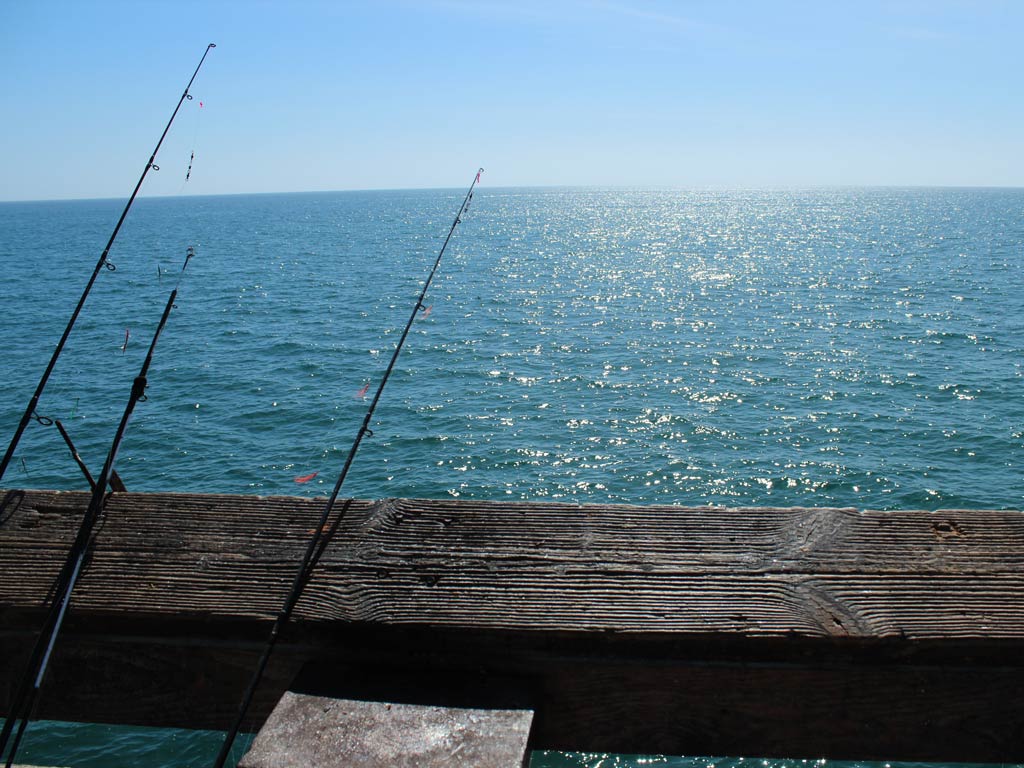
[791,632]
[528,566]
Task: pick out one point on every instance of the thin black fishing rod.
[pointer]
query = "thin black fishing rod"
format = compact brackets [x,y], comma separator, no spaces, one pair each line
[321,534]
[30,411]
[75,455]
[24,702]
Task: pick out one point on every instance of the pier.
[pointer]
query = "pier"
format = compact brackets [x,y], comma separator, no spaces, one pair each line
[795,632]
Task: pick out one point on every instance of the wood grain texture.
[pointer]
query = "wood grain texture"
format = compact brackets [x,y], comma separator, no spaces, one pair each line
[644,628]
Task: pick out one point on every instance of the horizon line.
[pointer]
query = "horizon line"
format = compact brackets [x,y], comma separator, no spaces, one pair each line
[608,187]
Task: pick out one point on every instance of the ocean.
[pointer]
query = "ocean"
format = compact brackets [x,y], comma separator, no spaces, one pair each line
[823,347]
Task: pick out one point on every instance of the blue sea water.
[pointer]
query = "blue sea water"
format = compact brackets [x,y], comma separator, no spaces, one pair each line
[847,347]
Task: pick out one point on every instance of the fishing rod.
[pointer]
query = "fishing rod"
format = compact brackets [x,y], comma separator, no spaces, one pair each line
[322,535]
[30,411]
[116,484]
[23,706]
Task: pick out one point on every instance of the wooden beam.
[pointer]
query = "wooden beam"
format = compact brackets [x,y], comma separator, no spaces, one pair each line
[772,632]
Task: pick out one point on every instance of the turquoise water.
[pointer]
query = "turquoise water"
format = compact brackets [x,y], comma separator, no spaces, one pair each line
[101,746]
[852,347]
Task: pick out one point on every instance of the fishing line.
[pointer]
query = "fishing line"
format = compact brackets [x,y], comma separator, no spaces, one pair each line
[24,702]
[323,533]
[192,153]
[30,411]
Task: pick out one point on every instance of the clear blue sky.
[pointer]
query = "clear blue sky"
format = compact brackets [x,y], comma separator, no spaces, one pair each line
[393,94]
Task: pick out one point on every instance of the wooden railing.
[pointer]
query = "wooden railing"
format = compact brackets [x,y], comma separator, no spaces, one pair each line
[703,631]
